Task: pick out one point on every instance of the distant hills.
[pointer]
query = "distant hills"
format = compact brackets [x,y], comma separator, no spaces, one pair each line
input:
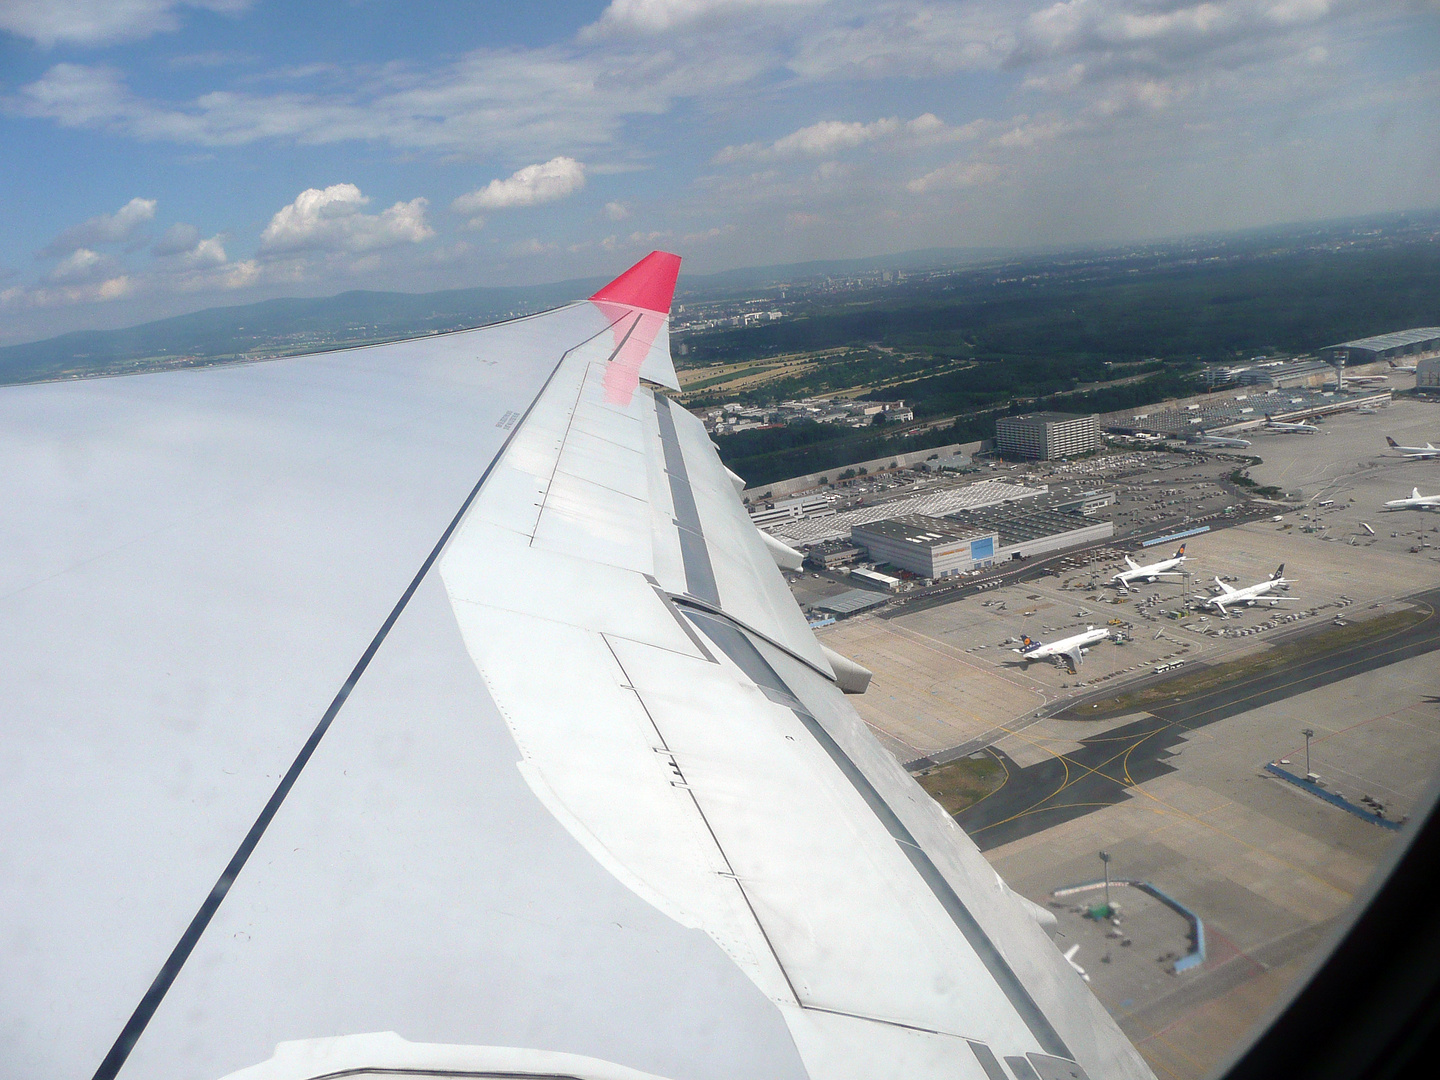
[288,326]
[276,327]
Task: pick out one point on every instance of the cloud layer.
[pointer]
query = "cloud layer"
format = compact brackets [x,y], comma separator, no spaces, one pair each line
[751,130]
[99,22]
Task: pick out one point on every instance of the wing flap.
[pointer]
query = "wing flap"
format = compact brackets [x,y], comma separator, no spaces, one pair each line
[809,854]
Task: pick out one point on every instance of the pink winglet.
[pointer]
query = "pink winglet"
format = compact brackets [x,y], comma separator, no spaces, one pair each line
[649,284]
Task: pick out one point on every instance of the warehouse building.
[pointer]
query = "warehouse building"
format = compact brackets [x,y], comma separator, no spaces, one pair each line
[1047,435]
[1400,346]
[931,547]
[1024,532]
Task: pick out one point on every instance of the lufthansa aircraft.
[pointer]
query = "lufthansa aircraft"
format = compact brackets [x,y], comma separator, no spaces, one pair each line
[1152,572]
[434,709]
[1069,651]
[1250,595]
[1422,452]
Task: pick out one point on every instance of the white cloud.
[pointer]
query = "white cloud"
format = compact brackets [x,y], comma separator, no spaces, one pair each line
[532,247]
[908,39]
[534,184]
[101,291]
[833,136]
[960,174]
[1025,132]
[616,211]
[99,22]
[104,228]
[82,264]
[209,252]
[330,219]
[656,16]
[176,239]
[512,102]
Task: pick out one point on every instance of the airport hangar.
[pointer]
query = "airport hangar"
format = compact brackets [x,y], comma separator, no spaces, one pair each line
[936,547]
[1422,341]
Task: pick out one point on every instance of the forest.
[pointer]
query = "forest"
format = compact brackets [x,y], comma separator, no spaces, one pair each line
[1072,336]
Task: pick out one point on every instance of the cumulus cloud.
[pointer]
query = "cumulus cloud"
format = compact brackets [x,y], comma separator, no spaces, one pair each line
[99,22]
[534,184]
[104,228]
[82,264]
[331,219]
[834,136]
[176,239]
[616,211]
[92,292]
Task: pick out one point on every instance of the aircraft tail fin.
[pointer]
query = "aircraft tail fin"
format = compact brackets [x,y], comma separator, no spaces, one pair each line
[1391,441]
[1180,552]
[1415,493]
[1279,572]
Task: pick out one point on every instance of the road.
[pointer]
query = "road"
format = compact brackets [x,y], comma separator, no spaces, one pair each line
[1105,768]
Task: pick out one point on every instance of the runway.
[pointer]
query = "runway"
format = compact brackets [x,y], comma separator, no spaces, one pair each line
[1106,766]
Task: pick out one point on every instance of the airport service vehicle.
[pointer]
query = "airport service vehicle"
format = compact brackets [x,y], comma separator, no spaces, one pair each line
[436,708]
[1416,501]
[1286,428]
[1069,651]
[1229,597]
[1152,572]
[1419,452]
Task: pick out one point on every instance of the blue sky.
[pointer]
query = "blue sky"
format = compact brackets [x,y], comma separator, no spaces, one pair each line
[162,156]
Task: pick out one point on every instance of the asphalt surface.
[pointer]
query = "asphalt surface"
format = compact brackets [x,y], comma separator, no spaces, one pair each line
[1105,768]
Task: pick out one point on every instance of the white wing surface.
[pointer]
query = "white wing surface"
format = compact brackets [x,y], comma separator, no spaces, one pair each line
[435,709]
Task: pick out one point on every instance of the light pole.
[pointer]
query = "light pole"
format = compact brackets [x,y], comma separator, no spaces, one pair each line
[1309,733]
[1105,859]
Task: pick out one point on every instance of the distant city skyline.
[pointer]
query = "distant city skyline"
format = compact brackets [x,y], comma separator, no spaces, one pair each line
[166,156]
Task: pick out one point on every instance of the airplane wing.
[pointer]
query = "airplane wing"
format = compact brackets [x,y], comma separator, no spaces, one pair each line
[435,708]
[1074,658]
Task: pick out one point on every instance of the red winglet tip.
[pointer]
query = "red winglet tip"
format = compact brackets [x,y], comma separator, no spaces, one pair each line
[649,284]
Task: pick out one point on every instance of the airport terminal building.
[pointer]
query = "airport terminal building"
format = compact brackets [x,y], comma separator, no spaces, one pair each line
[1047,435]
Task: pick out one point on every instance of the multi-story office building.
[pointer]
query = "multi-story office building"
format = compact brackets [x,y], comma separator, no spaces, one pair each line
[1047,435]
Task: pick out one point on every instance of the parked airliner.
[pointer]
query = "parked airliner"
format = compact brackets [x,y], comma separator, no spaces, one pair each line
[1420,452]
[1251,594]
[1071,650]
[1288,428]
[1153,572]
[1416,501]
[1205,437]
